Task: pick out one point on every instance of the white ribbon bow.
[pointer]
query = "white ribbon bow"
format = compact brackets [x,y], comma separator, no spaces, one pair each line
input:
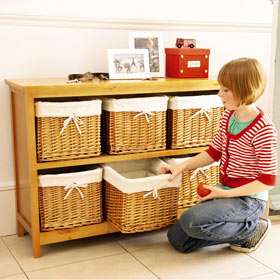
[154,193]
[202,111]
[76,120]
[146,113]
[76,186]
[198,170]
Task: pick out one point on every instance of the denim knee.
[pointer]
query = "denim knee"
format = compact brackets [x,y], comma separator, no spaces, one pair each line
[177,237]
[187,222]
[223,219]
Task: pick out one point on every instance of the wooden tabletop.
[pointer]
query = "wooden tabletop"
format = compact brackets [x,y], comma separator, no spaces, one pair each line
[51,87]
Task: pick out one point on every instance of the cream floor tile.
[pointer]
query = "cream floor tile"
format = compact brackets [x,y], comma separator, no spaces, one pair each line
[16,277]
[268,252]
[275,219]
[268,276]
[8,265]
[123,266]
[215,262]
[61,253]
[144,240]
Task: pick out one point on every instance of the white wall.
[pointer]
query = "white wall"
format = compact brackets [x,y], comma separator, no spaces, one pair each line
[55,38]
[275,193]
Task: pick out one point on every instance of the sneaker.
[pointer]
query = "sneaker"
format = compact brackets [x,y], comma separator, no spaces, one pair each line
[255,240]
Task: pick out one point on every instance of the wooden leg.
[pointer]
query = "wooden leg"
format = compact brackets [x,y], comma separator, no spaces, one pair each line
[36,247]
[20,229]
[266,211]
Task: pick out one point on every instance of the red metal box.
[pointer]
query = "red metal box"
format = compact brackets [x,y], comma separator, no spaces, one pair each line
[187,63]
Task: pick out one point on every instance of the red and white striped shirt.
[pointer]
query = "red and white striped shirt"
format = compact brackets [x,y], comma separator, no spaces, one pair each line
[247,156]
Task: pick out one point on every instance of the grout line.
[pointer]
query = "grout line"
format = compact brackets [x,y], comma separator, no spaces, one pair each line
[14,259]
[142,249]
[121,245]
[254,277]
[96,258]
[144,265]
[13,275]
[130,253]
[85,260]
[272,270]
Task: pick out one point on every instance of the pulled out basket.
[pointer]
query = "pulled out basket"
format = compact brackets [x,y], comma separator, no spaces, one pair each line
[70,199]
[191,178]
[68,130]
[193,120]
[137,197]
[133,125]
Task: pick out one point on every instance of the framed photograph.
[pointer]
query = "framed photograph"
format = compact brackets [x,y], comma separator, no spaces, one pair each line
[128,64]
[153,43]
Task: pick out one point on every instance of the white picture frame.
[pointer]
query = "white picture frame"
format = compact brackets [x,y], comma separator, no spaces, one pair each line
[152,41]
[128,63]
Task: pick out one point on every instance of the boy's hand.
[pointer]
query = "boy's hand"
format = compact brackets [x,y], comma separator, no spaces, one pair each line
[175,170]
[214,193]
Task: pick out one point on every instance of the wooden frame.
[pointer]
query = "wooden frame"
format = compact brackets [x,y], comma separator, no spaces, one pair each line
[24,93]
[128,64]
[152,41]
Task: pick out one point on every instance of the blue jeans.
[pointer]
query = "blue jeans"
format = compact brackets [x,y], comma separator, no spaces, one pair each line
[217,221]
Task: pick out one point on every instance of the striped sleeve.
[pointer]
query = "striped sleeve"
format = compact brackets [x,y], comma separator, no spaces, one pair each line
[215,149]
[265,145]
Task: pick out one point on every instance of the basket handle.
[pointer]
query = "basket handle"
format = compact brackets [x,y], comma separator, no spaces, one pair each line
[202,111]
[76,120]
[76,186]
[154,192]
[200,169]
[145,113]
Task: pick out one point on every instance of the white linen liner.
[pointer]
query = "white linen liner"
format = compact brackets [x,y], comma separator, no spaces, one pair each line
[127,176]
[175,160]
[66,109]
[194,102]
[64,179]
[141,104]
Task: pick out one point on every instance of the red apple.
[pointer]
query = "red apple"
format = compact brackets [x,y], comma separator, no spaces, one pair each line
[201,190]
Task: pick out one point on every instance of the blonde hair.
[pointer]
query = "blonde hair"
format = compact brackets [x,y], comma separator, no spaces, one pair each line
[246,79]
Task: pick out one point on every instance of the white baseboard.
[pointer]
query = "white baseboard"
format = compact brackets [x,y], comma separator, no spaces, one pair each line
[7,211]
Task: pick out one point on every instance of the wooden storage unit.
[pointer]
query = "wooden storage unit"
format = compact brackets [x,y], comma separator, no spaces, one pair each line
[24,93]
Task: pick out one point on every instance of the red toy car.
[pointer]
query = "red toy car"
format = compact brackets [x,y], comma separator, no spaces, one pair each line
[185,43]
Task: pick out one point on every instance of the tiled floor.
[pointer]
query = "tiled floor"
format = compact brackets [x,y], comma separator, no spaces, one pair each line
[138,256]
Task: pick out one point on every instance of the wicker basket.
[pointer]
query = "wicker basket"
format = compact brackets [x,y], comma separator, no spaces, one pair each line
[70,199]
[193,120]
[191,178]
[133,125]
[68,130]
[137,199]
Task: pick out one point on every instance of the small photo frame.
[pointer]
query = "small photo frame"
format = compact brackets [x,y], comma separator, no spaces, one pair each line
[128,63]
[152,41]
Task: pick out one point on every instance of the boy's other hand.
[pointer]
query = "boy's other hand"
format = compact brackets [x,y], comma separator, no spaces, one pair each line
[173,169]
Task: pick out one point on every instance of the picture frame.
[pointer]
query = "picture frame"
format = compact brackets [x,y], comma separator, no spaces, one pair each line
[128,63]
[152,41]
